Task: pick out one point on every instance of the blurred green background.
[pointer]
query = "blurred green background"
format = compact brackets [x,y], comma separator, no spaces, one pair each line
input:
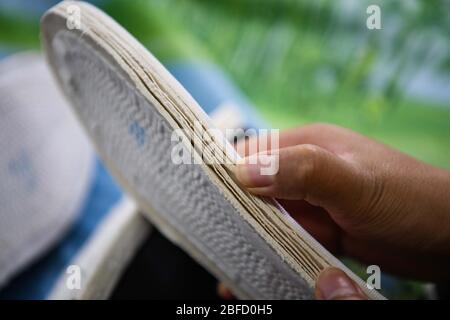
[302,61]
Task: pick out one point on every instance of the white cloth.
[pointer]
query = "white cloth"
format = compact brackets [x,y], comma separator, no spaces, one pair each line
[45,163]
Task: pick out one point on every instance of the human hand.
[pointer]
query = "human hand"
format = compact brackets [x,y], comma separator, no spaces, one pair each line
[361,198]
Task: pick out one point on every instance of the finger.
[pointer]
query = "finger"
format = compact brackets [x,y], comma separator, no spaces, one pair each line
[334,284]
[305,172]
[323,135]
[265,142]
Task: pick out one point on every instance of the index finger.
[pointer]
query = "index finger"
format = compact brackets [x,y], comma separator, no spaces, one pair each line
[322,135]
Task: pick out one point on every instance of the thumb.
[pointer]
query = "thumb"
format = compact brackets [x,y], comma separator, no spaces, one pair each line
[334,284]
[305,172]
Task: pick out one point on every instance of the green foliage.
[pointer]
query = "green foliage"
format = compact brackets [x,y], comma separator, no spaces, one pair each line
[18,32]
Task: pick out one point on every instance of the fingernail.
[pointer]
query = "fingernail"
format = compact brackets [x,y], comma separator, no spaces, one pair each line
[334,284]
[248,172]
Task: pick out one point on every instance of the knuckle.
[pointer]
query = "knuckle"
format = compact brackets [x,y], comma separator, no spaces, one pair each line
[310,161]
[299,169]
